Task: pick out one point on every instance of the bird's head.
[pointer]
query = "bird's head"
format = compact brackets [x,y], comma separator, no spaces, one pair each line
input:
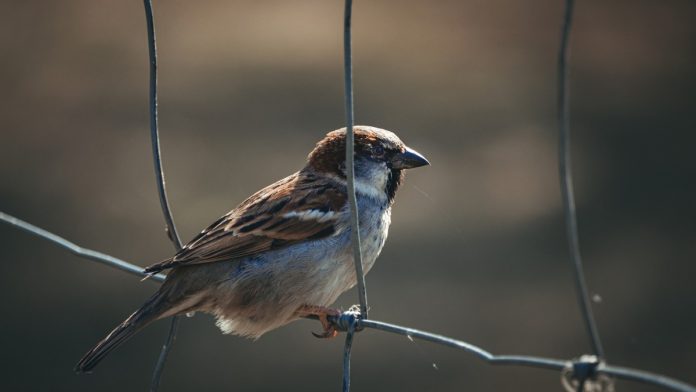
[380,159]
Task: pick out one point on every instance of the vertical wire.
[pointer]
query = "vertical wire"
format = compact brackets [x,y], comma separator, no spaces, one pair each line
[164,354]
[581,386]
[346,357]
[566,181]
[350,165]
[161,188]
[350,140]
[154,129]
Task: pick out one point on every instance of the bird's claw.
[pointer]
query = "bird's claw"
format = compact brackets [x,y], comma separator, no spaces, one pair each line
[323,314]
[327,334]
[329,329]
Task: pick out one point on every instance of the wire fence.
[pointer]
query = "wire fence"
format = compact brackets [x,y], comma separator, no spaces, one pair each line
[583,373]
[172,233]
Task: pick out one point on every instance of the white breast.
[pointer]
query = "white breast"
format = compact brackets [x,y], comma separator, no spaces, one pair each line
[374,219]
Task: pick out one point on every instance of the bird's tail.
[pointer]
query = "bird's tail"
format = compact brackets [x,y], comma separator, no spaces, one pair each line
[152,310]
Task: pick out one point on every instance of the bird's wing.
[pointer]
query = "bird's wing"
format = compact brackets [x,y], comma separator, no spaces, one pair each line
[298,208]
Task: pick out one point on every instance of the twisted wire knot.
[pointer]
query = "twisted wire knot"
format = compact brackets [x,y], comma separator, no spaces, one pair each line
[348,321]
[581,375]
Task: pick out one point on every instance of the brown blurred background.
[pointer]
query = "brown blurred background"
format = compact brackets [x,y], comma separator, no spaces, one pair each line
[477,249]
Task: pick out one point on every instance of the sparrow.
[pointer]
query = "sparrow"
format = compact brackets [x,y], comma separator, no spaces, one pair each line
[285,252]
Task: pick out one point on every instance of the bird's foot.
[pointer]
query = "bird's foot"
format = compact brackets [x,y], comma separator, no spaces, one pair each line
[323,314]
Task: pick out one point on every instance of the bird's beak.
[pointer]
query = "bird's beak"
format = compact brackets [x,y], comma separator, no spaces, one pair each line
[408,160]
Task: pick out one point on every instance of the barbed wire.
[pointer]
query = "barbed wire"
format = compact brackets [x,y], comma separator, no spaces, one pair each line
[576,373]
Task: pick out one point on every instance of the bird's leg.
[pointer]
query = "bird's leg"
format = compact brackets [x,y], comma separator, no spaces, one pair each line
[322,313]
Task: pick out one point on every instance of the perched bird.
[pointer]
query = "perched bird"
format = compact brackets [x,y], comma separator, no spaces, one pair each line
[285,252]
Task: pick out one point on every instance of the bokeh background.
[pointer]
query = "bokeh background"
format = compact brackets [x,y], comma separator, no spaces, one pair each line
[477,248]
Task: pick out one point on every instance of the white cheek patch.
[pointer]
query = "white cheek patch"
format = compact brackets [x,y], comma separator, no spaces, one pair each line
[371,180]
[373,188]
[316,215]
[369,189]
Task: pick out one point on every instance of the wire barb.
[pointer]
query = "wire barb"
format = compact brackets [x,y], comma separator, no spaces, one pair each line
[566,180]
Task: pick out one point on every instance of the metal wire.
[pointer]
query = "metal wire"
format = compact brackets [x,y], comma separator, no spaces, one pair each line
[350,166]
[154,128]
[344,322]
[347,347]
[352,200]
[77,250]
[644,377]
[351,321]
[161,188]
[164,354]
[521,360]
[566,180]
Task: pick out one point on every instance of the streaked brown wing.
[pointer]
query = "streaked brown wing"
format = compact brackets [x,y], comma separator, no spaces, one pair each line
[297,208]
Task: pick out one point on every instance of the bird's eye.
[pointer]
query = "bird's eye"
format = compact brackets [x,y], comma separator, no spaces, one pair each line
[378,151]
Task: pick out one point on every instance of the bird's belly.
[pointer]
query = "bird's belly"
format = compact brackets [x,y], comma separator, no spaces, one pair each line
[264,292]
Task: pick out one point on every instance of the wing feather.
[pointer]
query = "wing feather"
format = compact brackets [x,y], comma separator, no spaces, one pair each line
[297,208]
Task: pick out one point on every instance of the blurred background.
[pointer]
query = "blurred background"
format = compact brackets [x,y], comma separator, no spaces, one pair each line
[477,249]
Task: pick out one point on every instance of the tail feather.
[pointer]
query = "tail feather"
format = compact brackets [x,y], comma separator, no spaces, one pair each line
[151,311]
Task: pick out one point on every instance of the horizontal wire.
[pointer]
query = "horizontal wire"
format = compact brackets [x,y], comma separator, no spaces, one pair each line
[645,377]
[523,360]
[347,319]
[529,361]
[75,249]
